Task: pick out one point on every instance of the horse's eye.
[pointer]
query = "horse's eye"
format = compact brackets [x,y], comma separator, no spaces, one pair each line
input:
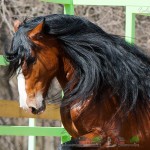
[31,60]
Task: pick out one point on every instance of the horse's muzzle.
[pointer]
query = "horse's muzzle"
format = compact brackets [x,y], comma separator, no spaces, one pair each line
[38,111]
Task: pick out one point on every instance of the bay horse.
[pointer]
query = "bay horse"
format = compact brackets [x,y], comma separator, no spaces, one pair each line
[106,81]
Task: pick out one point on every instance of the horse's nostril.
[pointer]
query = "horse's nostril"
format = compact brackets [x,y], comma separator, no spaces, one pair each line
[33,110]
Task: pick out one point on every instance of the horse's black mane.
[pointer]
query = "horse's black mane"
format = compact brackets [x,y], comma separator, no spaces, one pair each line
[101,60]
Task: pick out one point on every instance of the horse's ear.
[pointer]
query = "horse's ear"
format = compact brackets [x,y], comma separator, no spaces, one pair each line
[38,29]
[17,23]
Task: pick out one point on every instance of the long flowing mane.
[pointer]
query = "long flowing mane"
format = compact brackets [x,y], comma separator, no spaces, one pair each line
[102,61]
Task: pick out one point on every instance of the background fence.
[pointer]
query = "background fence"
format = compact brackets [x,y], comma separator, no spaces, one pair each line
[11,108]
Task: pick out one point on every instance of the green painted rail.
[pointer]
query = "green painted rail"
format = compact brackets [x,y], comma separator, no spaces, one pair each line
[32,131]
[103,2]
[133,8]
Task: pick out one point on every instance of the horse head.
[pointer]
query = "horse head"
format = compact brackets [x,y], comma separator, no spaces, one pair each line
[34,76]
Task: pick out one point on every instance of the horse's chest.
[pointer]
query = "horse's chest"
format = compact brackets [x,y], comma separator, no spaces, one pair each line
[80,119]
[68,122]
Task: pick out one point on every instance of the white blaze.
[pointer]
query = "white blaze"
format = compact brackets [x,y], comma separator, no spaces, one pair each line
[39,99]
[22,90]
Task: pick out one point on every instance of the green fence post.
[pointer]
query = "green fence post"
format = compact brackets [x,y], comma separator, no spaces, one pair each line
[69,8]
[130,25]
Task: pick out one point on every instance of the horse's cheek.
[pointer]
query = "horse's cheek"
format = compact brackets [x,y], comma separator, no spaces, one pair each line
[52,69]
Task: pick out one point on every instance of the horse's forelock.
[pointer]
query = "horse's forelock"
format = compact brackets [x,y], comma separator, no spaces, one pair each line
[19,51]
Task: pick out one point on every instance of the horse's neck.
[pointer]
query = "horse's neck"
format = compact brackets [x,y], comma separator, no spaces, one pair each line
[65,72]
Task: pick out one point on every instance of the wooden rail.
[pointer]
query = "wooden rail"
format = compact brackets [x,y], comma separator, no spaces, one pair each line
[9,108]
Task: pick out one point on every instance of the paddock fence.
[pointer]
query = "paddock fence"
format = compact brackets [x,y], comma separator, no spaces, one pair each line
[11,108]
